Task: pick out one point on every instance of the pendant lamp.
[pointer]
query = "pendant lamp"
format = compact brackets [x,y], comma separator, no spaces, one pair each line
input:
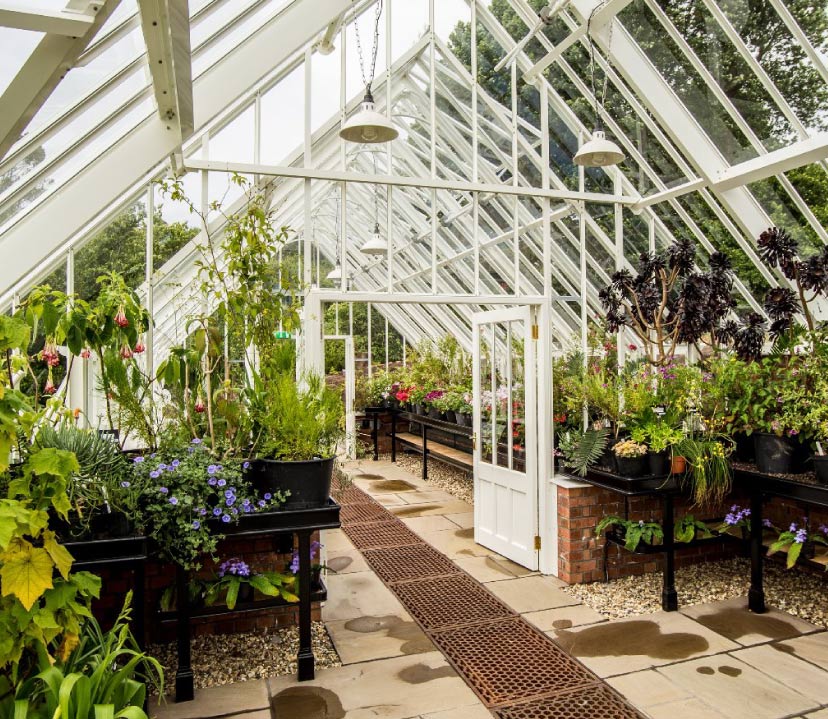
[376,244]
[598,151]
[368,125]
[335,274]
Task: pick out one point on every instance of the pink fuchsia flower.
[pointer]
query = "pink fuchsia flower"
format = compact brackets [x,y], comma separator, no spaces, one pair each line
[85,353]
[139,348]
[126,352]
[49,354]
[199,405]
[121,318]
[50,386]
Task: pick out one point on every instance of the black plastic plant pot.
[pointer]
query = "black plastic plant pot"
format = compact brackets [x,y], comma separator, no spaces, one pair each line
[631,466]
[607,458]
[659,463]
[451,416]
[111,525]
[744,449]
[434,413]
[418,409]
[821,468]
[308,482]
[774,455]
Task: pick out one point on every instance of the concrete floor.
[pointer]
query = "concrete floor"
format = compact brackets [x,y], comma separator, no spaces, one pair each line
[704,662]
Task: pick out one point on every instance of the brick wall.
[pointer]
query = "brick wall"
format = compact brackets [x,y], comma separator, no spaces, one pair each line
[582,552]
[260,554]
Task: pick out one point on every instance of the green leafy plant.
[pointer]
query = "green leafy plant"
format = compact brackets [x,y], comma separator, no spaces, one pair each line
[182,491]
[709,475]
[658,436]
[793,541]
[633,532]
[234,573]
[297,421]
[106,675]
[580,451]
[688,527]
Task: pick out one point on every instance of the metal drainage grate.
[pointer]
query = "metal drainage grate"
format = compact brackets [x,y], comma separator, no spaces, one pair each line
[402,564]
[592,702]
[381,534]
[349,495]
[450,601]
[507,661]
[361,512]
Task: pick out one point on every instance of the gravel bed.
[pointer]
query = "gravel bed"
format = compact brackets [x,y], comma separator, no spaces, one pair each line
[228,658]
[457,483]
[799,593]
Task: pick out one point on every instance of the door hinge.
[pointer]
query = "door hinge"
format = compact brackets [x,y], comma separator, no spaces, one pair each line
[535,332]
[474,442]
[537,543]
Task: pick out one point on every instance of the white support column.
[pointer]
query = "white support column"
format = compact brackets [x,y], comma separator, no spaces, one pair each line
[311,353]
[370,342]
[307,231]
[76,395]
[582,235]
[474,85]
[149,263]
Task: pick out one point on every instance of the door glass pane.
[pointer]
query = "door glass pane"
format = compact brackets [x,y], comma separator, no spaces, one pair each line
[501,401]
[485,399]
[518,396]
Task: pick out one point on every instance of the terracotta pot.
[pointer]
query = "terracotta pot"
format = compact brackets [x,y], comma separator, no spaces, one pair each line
[679,465]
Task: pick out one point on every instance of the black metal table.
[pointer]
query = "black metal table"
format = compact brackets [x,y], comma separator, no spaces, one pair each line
[374,413]
[127,552]
[426,423]
[667,488]
[301,522]
[759,487]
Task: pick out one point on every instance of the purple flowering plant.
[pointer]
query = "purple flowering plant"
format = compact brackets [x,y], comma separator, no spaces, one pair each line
[794,539]
[234,573]
[314,554]
[738,518]
[182,507]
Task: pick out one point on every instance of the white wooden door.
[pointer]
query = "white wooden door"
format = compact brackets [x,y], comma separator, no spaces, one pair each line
[505,433]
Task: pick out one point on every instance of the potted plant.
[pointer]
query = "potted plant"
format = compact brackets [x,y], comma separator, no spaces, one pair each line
[580,450]
[433,403]
[297,427]
[315,568]
[709,475]
[459,401]
[632,533]
[236,582]
[689,528]
[660,437]
[179,492]
[631,458]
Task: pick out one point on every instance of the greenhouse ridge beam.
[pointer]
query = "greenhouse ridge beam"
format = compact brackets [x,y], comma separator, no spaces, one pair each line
[398,181]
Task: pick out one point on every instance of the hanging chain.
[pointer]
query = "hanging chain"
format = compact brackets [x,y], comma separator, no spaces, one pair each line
[370,78]
[599,125]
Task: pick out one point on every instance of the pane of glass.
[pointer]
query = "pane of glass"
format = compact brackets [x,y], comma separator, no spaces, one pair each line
[15,48]
[486,394]
[518,396]
[283,128]
[502,394]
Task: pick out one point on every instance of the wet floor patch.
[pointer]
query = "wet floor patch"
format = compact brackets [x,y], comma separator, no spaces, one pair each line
[392,485]
[492,564]
[734,623]
[415,510]
[643,637]
[465,533]
[422,673]
[412,638]
[308,703]
[729,671]
[337,564]
[370,476]
[562,624]
[707,671]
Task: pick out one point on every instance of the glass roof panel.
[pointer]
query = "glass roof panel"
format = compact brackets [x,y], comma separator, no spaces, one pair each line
[16,46]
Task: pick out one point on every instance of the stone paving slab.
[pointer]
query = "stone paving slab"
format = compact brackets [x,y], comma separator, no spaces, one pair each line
[797,674]
[631,644]
[216,702]
[360,594]
[456,543]
[733,620]
[346,561]
[396,688]
[576,615]
[532,594]
[434,523]
[465,520]
[430,508]
[476,711]
[812,648]
[736,689]
[484,569]
[336,540]
[377,637]
[389,500]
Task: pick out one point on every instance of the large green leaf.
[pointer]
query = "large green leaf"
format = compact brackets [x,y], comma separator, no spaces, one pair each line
[26,573]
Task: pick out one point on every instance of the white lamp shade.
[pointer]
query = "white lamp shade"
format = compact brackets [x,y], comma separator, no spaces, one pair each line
[599,152]
[368,125]
[335,273]
[376,244]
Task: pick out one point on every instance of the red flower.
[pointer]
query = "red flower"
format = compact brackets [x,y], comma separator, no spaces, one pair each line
[126,352]
[50,386]
[49,354]
[139,348]
[199,405]
[121,318]
[85,353]
[631,347]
